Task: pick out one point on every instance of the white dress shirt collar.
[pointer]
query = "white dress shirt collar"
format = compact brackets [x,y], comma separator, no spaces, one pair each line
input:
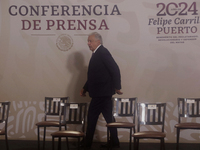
[96,49]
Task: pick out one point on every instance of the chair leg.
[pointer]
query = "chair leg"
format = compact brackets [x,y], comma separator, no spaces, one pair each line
[110,140]
[44,138]
[84,143]
[59,143]
[108,137]
[78,143]
[162,144]
[138,143]
[52,143]
[67,142]
[135,142]
[38,138]
[177,138]
[6,139]
[130,138]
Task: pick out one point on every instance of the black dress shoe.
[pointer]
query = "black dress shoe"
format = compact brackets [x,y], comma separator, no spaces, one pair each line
[108,145]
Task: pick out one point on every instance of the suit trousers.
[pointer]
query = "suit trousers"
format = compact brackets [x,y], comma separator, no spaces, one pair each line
[97,106]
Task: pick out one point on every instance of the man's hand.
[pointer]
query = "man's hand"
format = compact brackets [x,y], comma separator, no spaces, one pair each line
[83,93]
[118,92]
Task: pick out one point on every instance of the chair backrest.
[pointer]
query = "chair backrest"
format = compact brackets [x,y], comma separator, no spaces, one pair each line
[4,112]
[53,106]
[125,107]
[151,114]
[75,113]
[188,107]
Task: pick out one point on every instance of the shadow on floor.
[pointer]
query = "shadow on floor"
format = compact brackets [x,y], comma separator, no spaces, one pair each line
[32,145]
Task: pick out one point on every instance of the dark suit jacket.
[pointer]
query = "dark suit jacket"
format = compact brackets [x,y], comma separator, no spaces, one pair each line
[103,74]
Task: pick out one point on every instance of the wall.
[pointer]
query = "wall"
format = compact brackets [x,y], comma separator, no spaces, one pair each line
[44,52]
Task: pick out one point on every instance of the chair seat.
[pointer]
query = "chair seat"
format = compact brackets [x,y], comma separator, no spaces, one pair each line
[68,133]
[188,125]
[121,125]
[48,123]
[2,132]
[149,134]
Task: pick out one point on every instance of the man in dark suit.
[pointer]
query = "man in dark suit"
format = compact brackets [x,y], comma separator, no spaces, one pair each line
[103,80]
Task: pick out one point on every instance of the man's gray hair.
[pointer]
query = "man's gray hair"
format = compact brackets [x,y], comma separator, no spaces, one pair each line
[97,36]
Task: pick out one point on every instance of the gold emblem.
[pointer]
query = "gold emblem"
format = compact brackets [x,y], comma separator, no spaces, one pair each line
[64,42]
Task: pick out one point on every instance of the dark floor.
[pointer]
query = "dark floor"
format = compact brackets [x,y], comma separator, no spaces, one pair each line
[32,145]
